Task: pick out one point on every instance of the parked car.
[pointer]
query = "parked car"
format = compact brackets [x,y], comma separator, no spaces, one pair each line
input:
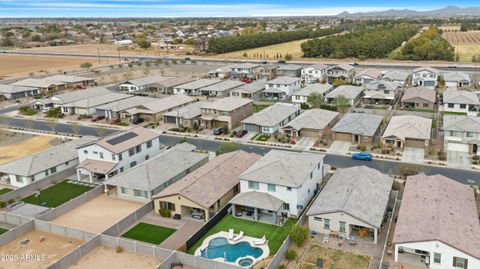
[241,133]
[264,62]
[187,59]
[354,64]
[97,118]
[218,131]
[363,156]
[138,120]
[452,66]
[281,62]
[46,109]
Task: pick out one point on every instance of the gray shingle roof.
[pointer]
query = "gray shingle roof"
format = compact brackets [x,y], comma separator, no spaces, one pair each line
[227,104]
[359,191]
[139,82]
[345,67]
[163,104]
[68,78]
[124,104]
[424,93]
[460,97]
[381,85]
[9,89]
[284,168]
[370,72]
[223,86]
[358,123]
[158,170]
[317,88]
[73,96]
[409,126]
[99,100]
[283,80]
[456,77]
[197,84]
[348,91]
[258,200]
[272,115]
[462,123]
[426,68]
[38,82]
[290,67]
[316,119]
[190,111]
[396,75]
[256,86]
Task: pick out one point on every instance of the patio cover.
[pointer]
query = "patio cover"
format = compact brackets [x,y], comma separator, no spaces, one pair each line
[257,200]
[96,166]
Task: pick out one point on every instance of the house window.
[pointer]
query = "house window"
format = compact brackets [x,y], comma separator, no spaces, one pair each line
[101,155]
[272,187]
[326,224]
[469,134]
[132,164]
[460,262]
[121,169]
[451,105]
[311,175]
[46,172]
[437,257]
[113,156]
[289,188]
[140,193]
[451,133]
[138,148]
[120,157]
[66,163]
[53,170]
[463,106]
[95,152]
[85,151]
[19,179]
[254,185]
[286,206]
[342,226]
[147,157]
[123,190]
[167,205]
[149,144]
[425,105]
[131,152]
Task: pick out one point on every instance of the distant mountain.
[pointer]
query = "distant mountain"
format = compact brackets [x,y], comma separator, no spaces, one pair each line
[450,11]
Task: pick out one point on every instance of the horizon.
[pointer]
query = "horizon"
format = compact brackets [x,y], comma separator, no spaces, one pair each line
[196,8]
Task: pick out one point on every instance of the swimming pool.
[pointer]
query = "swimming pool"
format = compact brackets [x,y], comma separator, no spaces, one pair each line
[220,248]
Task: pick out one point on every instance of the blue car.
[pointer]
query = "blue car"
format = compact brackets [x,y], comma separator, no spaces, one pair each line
[363,156]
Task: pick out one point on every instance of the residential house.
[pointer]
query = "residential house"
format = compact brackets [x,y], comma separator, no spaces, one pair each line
[205,191]
[44,84]
[278,186]
[221,89]
[226,112]
[221,72]
[437,224]
[87,106]
[142,84]
[245,71]
[366,76]
[251,90]
[426,77]
[340,72]
[407,131]
[73,96]
[421,98]
[290,70]
[310,123]
[358,128]
[194,87]
[353,204]
[42,164]
[116,153]
[314,73]
[462,133]
[457,80]
[271,119]
[301,97]
[351,93]
[280,87]
[167,86]
[153,111]
[460,101]
[266,71]
[381,92]
[185,116]
[157,173]
[112,110]
[73,82]
[397,76]
[15,92]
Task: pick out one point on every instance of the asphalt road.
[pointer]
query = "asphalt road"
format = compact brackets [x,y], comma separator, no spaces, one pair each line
[340,161]
[223,61]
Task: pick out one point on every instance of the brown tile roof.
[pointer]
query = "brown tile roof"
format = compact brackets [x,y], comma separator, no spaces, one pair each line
[210,182]
[419,92]
[439,208]
[97,166]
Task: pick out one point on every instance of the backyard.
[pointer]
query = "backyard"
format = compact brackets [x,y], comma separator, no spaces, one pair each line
[2,231]
[333,258]
[274,234]
[5,190]
[149,233]
[57,194]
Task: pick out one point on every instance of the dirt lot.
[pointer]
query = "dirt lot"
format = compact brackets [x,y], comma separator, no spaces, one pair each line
[103,257]
[98,214]
[12,66]
[14,146]
[50,250]
[333,258]
[467,44]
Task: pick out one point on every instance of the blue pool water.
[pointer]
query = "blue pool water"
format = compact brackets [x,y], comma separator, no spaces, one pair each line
[220,248]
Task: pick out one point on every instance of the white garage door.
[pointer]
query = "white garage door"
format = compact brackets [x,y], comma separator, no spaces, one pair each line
[457,147]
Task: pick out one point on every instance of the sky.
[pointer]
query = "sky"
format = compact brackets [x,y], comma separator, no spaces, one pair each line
[207,8]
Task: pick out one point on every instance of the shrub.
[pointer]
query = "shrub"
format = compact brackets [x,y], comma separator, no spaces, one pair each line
[281,266]
[11,201]
[224,130]
[86,65]
[476,157]
[299,234]
[54,113]
[3,204]
[119,249]
[290,255]
[165,213]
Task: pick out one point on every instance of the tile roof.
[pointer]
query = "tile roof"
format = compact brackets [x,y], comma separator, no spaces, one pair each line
[213,180]
[172,82]
[272,115]
[345,67]
[317,66]
[197,84]
[257,199]
[139,82]
[396,75]
[358,191]
[409,126]
[283,80]
[316,87]
[358,123]
[10,89]
[439,208]
[68,78]
[462,123]
[77,95]
[286,168]
[348,91]
[460,97]
[162,104]
[456,76]
[316,119]
[189,111]
[97,166]
[426,68]
[371,72]
[256,86]
[223,86]
[380,85]
[38,82]
[124,104]
[424,93]
[99,100]
[227,104]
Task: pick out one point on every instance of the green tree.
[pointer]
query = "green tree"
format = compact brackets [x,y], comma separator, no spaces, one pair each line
[226,148]
[143,43]
[36,38]
[290,255]
[86,65]
[299,234]
[315,100]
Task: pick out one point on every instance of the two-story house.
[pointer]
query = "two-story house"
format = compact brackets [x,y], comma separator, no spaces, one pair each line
[425,76]
[244,71]
[460,101]
[366,76]
[116,153]
[314,73]
[289,70]
[462,133]
[226,112]
[278,186]
[381,92]
[194,87]
[280,87]
[340,72]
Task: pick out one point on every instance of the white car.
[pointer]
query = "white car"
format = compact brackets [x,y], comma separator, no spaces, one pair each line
[452,66]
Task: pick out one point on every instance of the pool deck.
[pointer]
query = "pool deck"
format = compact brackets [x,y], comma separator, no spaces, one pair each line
[248,239]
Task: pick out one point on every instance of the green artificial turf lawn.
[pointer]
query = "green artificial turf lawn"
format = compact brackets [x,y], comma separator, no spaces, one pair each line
[149,233]
[2,231]
[57,194]
[274,234]
[5,190]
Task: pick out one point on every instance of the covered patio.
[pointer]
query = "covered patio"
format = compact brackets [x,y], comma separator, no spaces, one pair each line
[95,170]
[274,94]
[258,206]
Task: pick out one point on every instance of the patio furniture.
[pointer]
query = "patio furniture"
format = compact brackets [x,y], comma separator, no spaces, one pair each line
[325,240]
[260,241]
[238,236]
[230,234]
[177,216]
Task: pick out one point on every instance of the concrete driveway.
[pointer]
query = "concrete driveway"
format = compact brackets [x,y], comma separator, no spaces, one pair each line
[304,143]
[339,147]
[413,155]
[458,159]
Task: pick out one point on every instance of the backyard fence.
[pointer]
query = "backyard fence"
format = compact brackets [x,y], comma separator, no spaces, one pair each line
[16,232]
[382,112]
[36,185]
[135,246]
[70,205]
[207,226]
[12,219]
[120,226]
[49,227]
[72,257]
[277,259]
[415,113]
[194,262]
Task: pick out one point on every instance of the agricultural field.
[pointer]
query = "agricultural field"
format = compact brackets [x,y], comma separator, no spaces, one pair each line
[292,47]
[467,44]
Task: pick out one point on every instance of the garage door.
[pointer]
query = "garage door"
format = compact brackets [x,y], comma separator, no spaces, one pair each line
[251,128]
[343,137]
[457,147]
[310,133]
[429,83]
[170,119]
[414,143]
